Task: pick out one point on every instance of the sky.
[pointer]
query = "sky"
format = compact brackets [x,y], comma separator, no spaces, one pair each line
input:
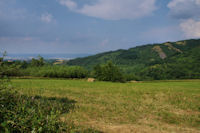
[93,26]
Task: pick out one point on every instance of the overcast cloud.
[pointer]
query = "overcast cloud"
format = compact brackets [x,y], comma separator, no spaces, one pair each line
[113,9]
[191,28]
[184,9]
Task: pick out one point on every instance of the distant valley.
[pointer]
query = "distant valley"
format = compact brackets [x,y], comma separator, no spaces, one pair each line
[45,56]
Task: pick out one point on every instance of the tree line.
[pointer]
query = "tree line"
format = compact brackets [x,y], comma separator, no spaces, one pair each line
[182,69]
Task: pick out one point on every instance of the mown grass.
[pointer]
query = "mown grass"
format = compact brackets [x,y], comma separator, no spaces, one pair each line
[164,106]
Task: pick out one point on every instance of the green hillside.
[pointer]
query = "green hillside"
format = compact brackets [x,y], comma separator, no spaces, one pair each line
[170,60]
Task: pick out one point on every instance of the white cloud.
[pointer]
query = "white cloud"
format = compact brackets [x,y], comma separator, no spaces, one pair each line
[113,9]
[69,3]
[188,13]
[184,9]
[46,17]
[191,28]
[198,2]
[176,3]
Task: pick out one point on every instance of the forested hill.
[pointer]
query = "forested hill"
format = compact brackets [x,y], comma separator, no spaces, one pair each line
[181,58]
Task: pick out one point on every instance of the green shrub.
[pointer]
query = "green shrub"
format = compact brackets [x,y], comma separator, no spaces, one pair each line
[130,77]
[37,62]
[19,113]
[55,72]
[108,72]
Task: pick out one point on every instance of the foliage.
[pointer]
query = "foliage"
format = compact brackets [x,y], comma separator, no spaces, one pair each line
[37,62]
[19,113]
[55,72]
[11,70]
[25,69]
[108,72]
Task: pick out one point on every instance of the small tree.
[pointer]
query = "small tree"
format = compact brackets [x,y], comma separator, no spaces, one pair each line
[37,62]
[108,72]
[3,55]
[98,72]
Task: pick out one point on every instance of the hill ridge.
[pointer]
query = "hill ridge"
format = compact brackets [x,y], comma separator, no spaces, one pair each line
[181,55]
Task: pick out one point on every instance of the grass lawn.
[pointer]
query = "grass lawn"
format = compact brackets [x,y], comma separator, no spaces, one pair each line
[158,106]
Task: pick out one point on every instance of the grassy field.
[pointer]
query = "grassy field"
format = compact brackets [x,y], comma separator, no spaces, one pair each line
[159,106]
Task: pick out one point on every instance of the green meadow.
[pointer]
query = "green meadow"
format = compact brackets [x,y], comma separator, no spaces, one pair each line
[157,106]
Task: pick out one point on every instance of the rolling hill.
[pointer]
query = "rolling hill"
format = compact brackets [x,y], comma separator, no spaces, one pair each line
[158,61]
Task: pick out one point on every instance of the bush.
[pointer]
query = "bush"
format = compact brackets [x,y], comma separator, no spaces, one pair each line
[55,72]
[108,72]
[130,77]
[19,113]
[37,62]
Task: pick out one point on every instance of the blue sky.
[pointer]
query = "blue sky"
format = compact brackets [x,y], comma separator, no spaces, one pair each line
[92,26]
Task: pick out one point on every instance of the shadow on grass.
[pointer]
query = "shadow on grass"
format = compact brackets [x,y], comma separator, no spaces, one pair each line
[20,113]
[63,105]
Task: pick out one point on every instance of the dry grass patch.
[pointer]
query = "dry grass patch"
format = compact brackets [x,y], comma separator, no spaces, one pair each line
[171,47]
[159,50]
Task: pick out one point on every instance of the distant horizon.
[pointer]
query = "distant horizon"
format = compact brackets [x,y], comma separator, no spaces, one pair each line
[28,56]
[97,52]
[44,53]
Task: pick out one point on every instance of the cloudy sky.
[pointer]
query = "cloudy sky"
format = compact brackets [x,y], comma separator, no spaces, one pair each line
[92,26]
